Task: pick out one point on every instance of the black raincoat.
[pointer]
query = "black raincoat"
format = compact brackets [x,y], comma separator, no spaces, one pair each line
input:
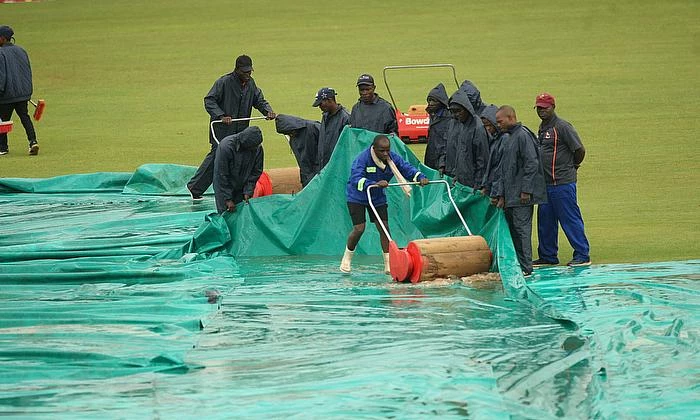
[303,139]
[237,166]
[227,97]
[437,131]
[377,116]
[15,74]
[331,127]
[520,169]
[474,96]
[495,148]
[467,149]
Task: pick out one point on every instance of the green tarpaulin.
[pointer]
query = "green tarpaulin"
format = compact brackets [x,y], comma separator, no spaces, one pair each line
[122,298]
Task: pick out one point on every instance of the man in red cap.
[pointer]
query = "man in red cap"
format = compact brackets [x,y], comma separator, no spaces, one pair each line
[562,153]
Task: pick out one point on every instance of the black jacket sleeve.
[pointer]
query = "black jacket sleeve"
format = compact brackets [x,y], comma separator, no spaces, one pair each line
[531,162]
[211,101]
[255,173]
[260,103]
[222,170]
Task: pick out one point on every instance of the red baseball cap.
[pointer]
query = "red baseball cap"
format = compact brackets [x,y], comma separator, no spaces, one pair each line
[544,100]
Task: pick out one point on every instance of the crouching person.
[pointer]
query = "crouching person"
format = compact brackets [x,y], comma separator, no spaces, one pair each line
[237,166]
[303,139]
[519,182]
[375,166]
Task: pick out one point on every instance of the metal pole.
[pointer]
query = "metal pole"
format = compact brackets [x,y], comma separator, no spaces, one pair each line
[415,66]
[211,125]
[398,184]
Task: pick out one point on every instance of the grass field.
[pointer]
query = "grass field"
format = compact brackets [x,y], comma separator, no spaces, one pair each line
[124,83]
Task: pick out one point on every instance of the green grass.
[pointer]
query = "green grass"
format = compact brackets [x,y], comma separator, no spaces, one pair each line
[124,83]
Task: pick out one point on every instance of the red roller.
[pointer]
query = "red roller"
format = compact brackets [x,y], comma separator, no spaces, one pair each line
[5,127]
[263,187]
[428,259]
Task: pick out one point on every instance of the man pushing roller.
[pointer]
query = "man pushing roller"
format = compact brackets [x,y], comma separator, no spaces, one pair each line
[375,166]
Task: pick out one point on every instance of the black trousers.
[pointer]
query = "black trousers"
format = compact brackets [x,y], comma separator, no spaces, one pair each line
[520,225]
[204,176]
[23,113]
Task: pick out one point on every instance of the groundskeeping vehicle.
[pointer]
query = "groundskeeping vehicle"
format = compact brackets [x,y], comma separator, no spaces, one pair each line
[413,124]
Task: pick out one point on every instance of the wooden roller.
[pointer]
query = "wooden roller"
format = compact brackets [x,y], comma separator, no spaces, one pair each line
[428,259]
[278,181]
[285,180]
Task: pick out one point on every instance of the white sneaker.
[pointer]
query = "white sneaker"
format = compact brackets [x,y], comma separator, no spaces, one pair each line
[345,263]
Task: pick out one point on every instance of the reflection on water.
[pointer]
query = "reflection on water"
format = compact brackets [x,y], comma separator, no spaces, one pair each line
[292,337]
[298,337]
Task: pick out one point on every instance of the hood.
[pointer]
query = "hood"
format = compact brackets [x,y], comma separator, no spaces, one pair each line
[248,139]
[460,97]
[439,93]
[490,114]
[287,124]
[473,93]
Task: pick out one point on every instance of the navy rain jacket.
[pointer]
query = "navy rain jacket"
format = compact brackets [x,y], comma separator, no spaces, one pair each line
[474,96]
[378,116]
[15,74]
[237,166]
[520,169]
[227,97]
[467,148]
[495,148]
[437,131]
[331,127]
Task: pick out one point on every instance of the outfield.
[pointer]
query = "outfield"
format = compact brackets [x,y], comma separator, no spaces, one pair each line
[124,82]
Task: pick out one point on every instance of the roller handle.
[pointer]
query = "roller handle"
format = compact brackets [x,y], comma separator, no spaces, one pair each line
[211,125]
[399,184]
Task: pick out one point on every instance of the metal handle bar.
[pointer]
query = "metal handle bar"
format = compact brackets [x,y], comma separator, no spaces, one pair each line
[415,66]
[211,125]
[398,184]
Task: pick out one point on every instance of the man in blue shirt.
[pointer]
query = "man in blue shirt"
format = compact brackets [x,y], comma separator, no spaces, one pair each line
[374,166]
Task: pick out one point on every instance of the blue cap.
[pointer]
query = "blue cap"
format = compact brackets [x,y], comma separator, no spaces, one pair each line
[323,93]
[365,79]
